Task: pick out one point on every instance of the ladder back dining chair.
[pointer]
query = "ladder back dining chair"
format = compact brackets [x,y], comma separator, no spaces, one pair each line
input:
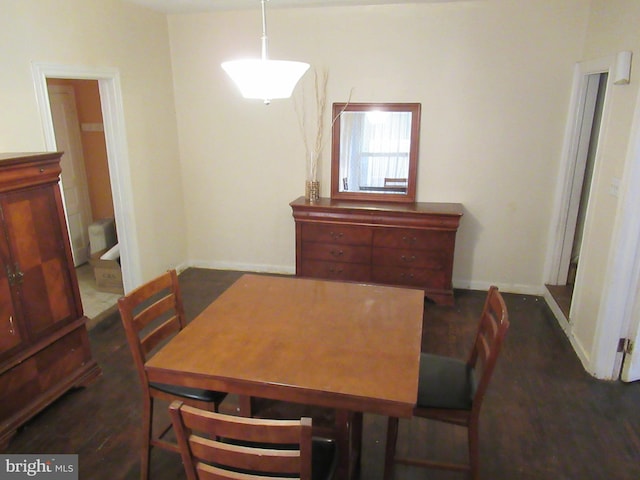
[452,390]
[219,446]
[151,314]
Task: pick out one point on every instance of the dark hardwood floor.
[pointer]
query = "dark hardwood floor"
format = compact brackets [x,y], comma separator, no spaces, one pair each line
[544,417]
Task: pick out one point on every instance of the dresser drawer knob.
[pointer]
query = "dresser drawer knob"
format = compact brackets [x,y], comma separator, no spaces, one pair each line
[335,235]
[406,275]
[410,240]
[404,258]
[336,253]
[335,270]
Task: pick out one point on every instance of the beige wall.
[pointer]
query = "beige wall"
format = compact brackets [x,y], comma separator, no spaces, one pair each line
[493,78]
[613,27]
[133,40]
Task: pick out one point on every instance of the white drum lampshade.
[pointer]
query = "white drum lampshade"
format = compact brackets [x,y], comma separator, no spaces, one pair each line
[263,78]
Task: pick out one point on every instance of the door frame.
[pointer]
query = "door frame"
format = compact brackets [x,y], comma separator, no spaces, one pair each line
[561,236]
[621,291]
[117,153]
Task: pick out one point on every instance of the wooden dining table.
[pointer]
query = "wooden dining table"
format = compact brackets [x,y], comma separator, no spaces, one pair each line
[352,347]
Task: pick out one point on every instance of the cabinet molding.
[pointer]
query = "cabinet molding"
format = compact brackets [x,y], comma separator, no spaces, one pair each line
[388,243]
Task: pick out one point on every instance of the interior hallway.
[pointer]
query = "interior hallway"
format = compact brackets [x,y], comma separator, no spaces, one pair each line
[96,303]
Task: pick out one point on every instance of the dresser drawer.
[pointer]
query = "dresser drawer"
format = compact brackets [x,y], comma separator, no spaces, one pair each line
[408,245]
[17,386]
[395,257]
[336,252]
[414,239]
[41,372]
[419,277]
[336,270]
[336,234]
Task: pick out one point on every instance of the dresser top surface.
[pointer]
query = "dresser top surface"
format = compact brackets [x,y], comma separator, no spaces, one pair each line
[441,208]
[18,157]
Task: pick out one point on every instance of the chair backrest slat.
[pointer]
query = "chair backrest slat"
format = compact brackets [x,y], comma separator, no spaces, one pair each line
[156,301]
[492,328]
[159,334]
[156,310]
[245,458]
[215,445]
[244,428]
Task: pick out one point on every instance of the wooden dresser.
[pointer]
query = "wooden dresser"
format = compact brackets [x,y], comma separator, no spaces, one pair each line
[44,346]
[408,244]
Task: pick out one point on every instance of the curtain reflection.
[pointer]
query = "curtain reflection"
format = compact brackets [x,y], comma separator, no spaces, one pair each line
[374,149]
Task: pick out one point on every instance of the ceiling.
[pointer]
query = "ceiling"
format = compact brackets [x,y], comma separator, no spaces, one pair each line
[187,6]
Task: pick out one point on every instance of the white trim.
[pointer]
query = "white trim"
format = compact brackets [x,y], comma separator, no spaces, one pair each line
[563,321]
[621,291]
[115,137]
[553,272]
[517,288]
[244,267]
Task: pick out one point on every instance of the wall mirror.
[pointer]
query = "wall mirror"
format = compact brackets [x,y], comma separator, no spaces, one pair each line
[374,151]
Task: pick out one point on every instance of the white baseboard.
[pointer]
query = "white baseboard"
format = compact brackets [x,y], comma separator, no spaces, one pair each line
[244,267]
[517,288]
[566,327]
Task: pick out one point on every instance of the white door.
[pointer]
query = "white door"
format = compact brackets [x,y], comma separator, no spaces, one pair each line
[627,254]
[583,156]
[74,177]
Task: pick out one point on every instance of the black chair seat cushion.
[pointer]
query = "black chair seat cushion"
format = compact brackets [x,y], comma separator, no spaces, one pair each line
[445,383]
[190,393]
[324,459]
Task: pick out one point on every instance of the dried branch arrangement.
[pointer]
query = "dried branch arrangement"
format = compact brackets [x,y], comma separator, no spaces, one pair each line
[313,147]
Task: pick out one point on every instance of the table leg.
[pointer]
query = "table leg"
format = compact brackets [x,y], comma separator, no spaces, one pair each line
[348,426]
[343,444]
[245,406]
[356,439]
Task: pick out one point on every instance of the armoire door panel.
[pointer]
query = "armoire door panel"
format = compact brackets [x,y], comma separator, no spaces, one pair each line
[11,334]
[56,283]
[22,233]
[44,302]
[39,260]
[33,225]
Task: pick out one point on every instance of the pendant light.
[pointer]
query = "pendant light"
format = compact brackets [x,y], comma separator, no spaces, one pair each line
[263,78]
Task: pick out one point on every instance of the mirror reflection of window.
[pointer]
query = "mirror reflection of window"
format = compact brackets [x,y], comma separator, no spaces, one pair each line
[375,150]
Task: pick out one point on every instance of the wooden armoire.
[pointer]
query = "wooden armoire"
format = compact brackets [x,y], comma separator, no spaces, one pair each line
[44,345]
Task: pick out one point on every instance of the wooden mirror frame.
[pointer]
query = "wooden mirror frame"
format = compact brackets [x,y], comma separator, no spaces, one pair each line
[338,110]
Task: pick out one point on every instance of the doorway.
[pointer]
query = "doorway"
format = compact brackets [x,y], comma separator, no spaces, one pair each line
[118,171]
[79,133]
[586,135]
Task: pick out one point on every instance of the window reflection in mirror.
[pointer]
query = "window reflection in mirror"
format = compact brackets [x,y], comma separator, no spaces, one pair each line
[375,151]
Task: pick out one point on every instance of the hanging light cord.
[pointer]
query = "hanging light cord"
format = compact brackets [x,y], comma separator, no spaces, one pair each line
[264,30]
